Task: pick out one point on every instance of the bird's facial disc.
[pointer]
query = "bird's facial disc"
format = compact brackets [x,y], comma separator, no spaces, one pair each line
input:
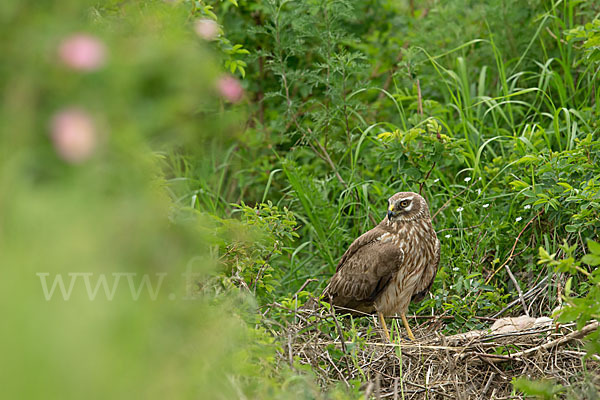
[400,207]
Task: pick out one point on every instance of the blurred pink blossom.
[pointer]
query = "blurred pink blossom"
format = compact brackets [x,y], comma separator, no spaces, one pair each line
[230,89]
[82,52]
[207,29]
[74,135]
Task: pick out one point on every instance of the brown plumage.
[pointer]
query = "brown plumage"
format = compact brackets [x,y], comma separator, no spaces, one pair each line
[390,265]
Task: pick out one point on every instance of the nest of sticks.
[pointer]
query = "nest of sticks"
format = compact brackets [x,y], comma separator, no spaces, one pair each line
[474,365]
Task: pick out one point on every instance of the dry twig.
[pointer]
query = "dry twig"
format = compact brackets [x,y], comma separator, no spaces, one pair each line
[433,366]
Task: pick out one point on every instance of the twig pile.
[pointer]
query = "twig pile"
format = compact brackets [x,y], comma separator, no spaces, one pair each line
[476,365]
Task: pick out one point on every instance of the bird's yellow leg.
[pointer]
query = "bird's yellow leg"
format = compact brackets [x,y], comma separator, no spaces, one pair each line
[384,326]
[408,331]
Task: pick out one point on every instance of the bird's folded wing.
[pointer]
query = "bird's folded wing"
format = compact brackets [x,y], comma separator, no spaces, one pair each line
[365,269]
[364,239]
[428,276]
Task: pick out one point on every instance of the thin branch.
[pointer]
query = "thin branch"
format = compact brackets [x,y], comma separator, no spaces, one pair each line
[530,293]
[309,280]
[518,287]
[512,251]
[426,177]
[339,329]
[446,204]
[419,98]
[561,40]
[557,342]
[331,164]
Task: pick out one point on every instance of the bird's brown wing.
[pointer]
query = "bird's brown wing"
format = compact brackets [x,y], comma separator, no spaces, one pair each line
[424,284]
[364,270]
[363,240]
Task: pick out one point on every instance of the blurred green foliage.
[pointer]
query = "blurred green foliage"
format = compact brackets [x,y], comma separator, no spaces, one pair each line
[106,220]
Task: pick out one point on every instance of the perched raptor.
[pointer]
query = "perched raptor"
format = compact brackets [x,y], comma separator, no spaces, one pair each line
[390,265]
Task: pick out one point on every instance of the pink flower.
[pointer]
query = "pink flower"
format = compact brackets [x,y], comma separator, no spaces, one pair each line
[207,29]
[230,89]
[74,135]
[82,52]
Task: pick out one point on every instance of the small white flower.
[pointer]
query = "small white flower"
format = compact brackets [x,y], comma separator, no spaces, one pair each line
[478,192]
[518,219]
[467,179]
[459,209]
[448,236]
[486,205]
[451,287]
[479,178]
[436,180]
[455,269]
[527,207]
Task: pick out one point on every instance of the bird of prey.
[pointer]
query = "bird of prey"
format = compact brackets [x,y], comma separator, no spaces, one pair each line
[390,265]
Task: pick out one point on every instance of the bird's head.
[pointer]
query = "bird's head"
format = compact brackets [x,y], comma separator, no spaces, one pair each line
[406,206]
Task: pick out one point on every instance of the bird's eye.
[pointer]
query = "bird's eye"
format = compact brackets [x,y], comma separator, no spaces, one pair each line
[404,203]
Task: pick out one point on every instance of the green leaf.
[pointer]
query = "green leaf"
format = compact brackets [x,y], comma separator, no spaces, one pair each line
[568,286]
[591,259]
[566,186]
[528,159]
[567,314]
[594,247]
[545,257]
[518,185]
[571,228]
[211,14]
[544,389]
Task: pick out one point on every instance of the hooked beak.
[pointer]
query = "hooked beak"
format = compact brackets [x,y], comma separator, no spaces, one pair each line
[390,212]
